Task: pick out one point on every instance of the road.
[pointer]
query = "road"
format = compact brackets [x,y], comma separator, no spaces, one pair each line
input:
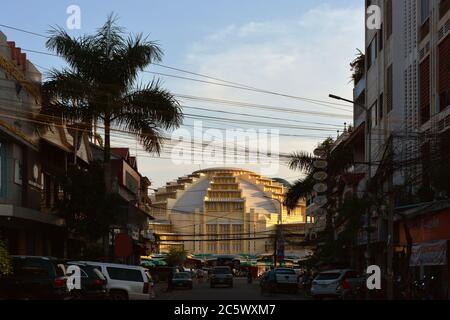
[241,291]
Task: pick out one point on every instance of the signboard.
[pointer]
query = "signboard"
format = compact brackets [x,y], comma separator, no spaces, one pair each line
[123,246]
[429,254]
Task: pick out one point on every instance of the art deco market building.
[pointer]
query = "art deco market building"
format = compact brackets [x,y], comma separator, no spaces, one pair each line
[223,211]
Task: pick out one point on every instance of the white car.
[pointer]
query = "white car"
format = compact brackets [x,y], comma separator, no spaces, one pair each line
[286,279]
[126,282]
[337,283]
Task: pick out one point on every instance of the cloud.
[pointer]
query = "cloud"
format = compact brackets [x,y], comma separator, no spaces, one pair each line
[307,56]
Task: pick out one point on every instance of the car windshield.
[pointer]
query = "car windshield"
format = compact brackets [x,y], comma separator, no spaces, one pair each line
[328,276]
[181,275]
[285,271]
[221,271]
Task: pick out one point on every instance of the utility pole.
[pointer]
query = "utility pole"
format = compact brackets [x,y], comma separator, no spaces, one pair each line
[390,227]
[369,172]
[278,231]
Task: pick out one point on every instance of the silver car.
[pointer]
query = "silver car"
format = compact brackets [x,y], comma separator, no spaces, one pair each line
[339,283]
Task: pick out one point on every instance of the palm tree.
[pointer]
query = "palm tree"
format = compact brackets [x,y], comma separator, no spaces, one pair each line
[357,66]
[100,86]
[339,160]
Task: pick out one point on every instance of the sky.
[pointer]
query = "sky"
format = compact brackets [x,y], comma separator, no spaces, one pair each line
[300,48]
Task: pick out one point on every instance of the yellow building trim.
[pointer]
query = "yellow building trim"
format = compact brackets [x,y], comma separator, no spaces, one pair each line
[17,132]
[11,70]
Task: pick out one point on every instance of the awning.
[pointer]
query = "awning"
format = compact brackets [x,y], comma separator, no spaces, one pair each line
[429,254]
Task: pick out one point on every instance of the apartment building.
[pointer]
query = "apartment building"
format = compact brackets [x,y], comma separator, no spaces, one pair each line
[407,90]
[27,228]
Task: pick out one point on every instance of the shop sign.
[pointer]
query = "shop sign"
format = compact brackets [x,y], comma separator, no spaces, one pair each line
[429,254]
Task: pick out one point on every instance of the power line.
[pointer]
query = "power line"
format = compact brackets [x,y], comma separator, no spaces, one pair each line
[224,82]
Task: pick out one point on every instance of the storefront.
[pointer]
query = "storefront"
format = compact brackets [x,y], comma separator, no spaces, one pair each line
[430,234]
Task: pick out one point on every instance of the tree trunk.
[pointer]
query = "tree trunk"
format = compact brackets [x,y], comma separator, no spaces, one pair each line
[75,146]
[107,146]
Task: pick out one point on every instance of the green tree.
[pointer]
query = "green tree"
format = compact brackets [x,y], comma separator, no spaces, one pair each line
[5,262]
[176,257]
[100,85]
[357,66]
[87,208]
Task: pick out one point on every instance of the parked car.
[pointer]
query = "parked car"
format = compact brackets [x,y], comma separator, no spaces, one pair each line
[34,278]
[267,282]
[161,273]
[340,283]
[125,282]
[286,279]
[93,283]
[182,280]
[221,276]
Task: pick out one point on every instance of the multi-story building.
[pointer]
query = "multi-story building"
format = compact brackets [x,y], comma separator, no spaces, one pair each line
[27,228]
[222,211]
[407,93]
[130,233]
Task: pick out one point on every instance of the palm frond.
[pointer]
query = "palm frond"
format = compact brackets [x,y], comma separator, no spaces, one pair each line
[301,161]
[300,189]
[145,110]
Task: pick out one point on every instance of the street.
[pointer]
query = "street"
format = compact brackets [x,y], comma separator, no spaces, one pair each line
[241,291]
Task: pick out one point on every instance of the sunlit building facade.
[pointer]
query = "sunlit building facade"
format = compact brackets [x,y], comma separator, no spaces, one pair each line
[221,211]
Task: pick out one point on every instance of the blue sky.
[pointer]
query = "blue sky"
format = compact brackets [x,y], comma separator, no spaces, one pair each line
[300,47]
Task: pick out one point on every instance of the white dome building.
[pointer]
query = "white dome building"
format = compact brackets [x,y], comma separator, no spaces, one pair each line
[221,211]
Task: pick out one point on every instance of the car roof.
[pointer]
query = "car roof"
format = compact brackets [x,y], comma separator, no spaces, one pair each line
[337,271]
[53,259]
[114,265]
[36,257]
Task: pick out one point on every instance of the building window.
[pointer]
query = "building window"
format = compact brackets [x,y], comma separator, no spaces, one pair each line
[380,38]
[388,19]
[381,108]
[424,19]
[424,11]
[373,115]
[424,90]
[372,53]
[389,89]
[444,74]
